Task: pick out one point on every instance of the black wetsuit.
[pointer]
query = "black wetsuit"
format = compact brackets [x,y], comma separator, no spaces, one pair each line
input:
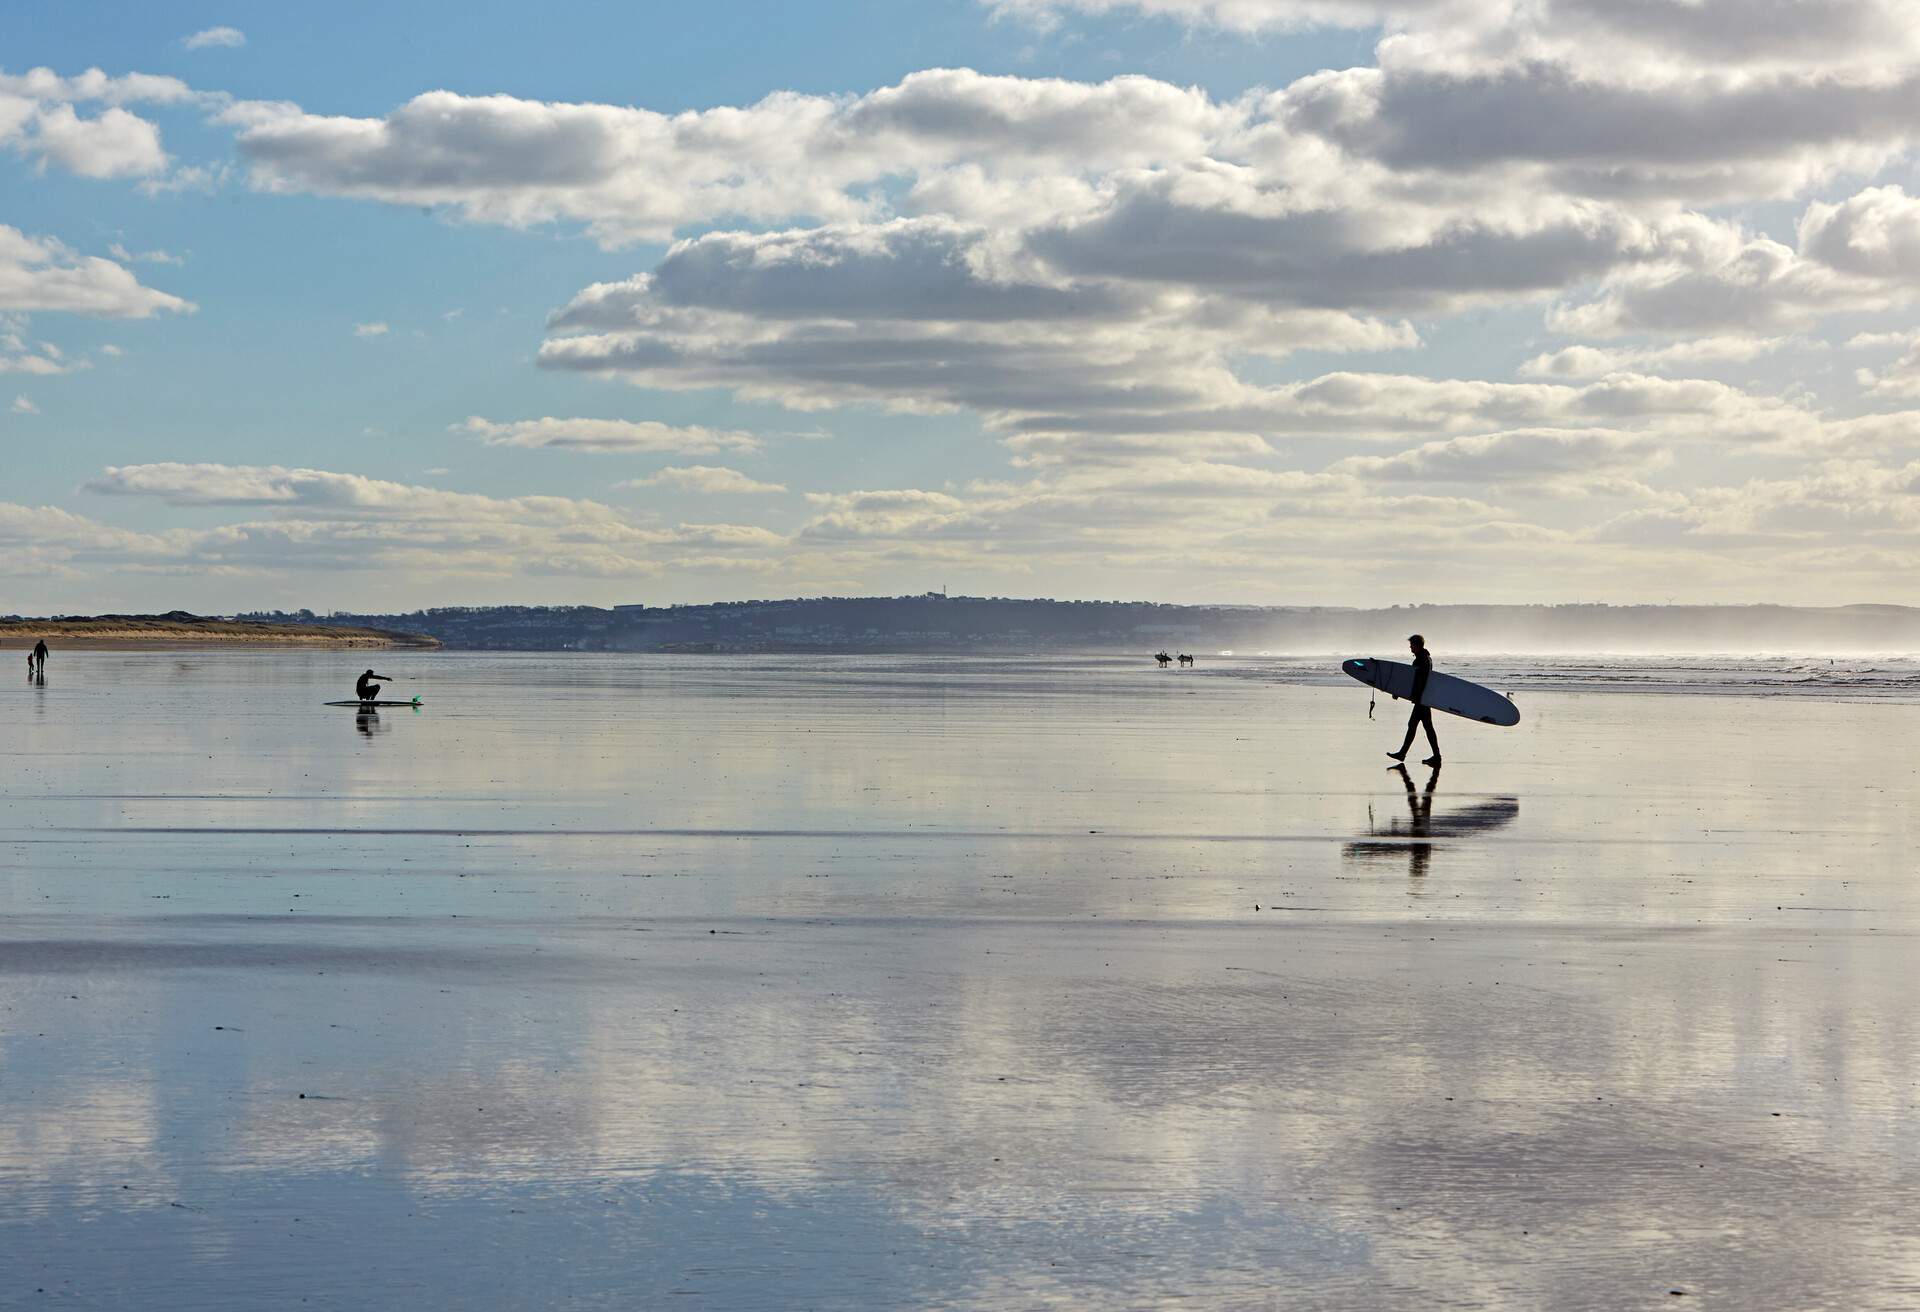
[40,653]
[366,689]
[1422,716]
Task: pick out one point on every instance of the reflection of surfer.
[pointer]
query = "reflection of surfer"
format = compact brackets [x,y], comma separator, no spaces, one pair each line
[1415,837]
[1422,715]
[1420,820]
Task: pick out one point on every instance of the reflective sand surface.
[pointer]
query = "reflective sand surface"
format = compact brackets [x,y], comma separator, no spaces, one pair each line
[883,983]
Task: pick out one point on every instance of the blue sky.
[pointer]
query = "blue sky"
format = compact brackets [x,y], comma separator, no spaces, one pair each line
[1311,281]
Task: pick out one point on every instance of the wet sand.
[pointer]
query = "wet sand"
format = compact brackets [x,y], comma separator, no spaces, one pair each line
[884,983]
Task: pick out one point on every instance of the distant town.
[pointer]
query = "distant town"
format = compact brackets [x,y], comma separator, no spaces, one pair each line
[935,622]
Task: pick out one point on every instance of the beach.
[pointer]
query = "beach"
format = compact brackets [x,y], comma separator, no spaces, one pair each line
[946,982]
[182,630]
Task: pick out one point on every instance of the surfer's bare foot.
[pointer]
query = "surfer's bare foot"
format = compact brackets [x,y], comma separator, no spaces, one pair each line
[1397,756]
[1431,760]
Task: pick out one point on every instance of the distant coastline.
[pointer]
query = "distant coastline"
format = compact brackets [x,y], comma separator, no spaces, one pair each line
[179,628]
[936,622]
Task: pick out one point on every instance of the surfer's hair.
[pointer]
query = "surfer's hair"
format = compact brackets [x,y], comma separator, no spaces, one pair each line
[1414,637]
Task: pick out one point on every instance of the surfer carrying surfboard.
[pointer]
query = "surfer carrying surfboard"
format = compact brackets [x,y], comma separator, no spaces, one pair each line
[368,690]
[1422,714]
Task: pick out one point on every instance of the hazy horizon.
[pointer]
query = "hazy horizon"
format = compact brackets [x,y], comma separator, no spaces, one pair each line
[1312,302]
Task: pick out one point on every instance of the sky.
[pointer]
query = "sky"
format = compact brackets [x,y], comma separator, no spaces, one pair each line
[1339,302]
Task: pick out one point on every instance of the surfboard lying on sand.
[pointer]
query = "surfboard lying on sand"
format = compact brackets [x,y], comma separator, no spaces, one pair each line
[415,702]
[1444,692]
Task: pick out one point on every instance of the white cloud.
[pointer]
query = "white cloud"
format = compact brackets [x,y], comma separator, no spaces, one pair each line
[215,38]
[39,274]
[913,316]
[1596,361]
[111,144]
[18,356]
[323,492]
[1235,15]
[43,84]
[1101,274]
[125,256]
[192,177]
[636,175]
[1874,234]
[325,520]
[706,480]
[1711,277]
[640,437]
[1518,456]
[376,329]
[23,406]
[1899,379]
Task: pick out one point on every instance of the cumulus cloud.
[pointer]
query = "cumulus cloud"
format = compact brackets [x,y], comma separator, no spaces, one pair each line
[914,315]
[43,84]
[375,329]
[1518,456]
[321,519]
[18,356]
[1215,227]
[311,490]
[125,256]
[23,406]
[213,38]
[1102,273]
[705,479]
[982,146]
[1711,277]
[1235,15]
[111,144]
[639,437]
[1899,379]
[40,119]
[1874,233]
[1597,361]
[838,316]
[633,174]
[1845,499]
[39,274]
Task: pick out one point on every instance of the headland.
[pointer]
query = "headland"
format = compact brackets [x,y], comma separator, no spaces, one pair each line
[177,628]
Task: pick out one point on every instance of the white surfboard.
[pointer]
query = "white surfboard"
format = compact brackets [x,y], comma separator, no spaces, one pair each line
[1443,692]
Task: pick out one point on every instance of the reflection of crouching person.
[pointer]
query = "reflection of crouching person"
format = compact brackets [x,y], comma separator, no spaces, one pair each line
[1422,716]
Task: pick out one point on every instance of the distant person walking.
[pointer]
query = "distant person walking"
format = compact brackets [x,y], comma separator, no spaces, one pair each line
[40,654]
[1422,716]
[368,687]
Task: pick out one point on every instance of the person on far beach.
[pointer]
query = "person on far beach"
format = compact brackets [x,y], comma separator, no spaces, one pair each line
[1422,715]
[368,687]
[40,653]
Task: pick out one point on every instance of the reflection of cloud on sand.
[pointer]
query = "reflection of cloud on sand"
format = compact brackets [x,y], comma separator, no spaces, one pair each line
[1106,1117]
[93,1132]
